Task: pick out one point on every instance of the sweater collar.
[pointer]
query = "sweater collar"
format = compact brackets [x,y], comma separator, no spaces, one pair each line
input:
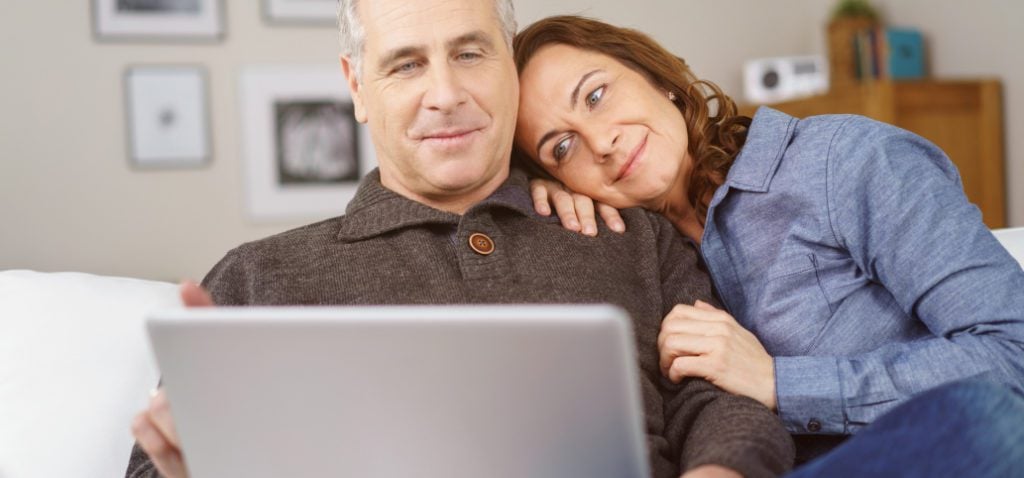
[377,210]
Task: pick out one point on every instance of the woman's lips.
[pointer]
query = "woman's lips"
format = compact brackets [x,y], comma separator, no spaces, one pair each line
[632,161]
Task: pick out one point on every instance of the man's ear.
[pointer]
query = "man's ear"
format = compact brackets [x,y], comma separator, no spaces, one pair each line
[352,78]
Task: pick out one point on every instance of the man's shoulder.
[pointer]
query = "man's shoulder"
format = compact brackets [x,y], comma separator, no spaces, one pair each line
[318,233]
[648,220]
[653,229]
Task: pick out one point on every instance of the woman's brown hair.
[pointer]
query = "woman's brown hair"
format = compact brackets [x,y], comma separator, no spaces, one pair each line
[715,135]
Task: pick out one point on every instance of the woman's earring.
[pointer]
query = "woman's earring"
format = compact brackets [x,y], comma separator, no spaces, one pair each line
[671,96]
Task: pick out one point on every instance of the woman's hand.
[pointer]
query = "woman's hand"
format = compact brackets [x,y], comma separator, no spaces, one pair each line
[703,341]
[712,471]
[576,211]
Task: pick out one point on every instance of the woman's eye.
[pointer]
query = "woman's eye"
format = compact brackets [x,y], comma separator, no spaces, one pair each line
[595,97]
[561,149]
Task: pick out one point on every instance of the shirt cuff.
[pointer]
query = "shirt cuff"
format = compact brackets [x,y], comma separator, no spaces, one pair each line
[809,396]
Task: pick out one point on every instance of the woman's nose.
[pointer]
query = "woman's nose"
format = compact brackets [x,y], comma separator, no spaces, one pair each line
[605,143]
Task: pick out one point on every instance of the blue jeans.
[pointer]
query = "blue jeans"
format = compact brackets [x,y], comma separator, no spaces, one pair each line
[969,428]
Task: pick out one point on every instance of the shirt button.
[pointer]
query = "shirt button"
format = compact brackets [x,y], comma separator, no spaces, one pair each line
[481,243]
[814,426]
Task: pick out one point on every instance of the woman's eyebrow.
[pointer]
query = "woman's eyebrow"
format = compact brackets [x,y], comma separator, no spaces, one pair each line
[544,139]
[576,91]
[573,99]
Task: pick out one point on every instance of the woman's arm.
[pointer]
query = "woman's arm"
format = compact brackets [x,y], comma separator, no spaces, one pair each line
[896,204]
[705,425]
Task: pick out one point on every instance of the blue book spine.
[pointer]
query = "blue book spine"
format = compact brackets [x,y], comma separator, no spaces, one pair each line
[906,53]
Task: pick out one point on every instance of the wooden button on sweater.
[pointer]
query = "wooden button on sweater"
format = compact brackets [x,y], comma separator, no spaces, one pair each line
[481,243]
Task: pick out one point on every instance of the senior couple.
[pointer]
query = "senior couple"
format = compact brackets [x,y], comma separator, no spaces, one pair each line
[830,278]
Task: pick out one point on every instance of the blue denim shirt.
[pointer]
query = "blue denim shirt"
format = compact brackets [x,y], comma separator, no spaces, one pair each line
[848,247]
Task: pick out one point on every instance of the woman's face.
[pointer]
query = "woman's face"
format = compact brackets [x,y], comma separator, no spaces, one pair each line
[600,127]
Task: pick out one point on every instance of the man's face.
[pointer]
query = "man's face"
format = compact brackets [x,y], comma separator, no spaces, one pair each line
[439,92]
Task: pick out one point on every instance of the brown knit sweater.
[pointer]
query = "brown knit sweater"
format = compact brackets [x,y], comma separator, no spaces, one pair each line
[390,250]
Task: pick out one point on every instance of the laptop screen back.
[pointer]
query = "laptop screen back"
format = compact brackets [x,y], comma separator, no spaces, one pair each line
[445,391]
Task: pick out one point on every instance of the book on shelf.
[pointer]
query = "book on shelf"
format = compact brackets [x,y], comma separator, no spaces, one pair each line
[888,53]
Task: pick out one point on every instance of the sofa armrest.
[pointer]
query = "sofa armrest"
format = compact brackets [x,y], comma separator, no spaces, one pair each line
[75,366]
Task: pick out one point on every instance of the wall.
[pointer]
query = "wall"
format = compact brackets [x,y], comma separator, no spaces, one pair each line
[971,39]
[70,201]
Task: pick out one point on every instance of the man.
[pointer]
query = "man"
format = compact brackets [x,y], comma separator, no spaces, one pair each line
[444,221]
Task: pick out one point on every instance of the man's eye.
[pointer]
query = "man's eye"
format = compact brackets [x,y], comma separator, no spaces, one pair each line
[407,67]
[561,149]
[595,97]
[468,56]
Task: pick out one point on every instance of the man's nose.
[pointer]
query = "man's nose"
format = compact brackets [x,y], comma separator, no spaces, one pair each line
[445,91]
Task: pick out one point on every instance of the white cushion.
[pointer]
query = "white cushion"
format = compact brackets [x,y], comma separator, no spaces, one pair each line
[1013,241]
[75,367]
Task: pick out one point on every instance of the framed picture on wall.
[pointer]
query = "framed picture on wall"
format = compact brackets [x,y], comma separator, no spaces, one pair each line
[167,116]
[314,12]
[191,20]
[303,150]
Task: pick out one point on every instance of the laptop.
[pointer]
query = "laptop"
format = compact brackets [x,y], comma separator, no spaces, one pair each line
[400,391]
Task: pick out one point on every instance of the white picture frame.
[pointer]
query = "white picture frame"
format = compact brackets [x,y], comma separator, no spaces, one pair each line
[186,20]
[312,12]
[297,126]
[167,114]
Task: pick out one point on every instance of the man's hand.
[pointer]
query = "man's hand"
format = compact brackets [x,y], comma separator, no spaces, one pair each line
[154,430]
[703,341]
[712,471]
[192,295]
[576,211]
[154,427]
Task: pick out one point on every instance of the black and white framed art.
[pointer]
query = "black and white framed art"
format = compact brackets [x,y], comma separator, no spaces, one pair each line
[167,116]
[303,150]
[187,20]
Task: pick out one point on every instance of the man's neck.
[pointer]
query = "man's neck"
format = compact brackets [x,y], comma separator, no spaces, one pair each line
[456,202]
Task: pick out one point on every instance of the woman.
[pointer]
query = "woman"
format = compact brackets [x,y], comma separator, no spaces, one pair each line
[846,246]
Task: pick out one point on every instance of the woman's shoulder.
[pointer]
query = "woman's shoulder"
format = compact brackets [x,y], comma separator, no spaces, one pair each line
[854,144]
[847,130]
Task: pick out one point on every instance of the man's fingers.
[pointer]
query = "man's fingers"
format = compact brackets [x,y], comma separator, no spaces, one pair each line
[165,455]
[192,295]
[585,213]
[160,416]
[611,217]
[539,192]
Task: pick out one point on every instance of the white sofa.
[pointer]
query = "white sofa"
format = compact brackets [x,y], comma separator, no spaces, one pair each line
[75,366]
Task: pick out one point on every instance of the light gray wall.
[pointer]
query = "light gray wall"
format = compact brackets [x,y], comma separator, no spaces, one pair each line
[972,39]
[70,201]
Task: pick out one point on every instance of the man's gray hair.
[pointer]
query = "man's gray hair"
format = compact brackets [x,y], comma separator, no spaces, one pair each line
[353,35]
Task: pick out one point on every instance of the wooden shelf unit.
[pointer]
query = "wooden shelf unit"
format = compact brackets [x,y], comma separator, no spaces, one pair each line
[963,117]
